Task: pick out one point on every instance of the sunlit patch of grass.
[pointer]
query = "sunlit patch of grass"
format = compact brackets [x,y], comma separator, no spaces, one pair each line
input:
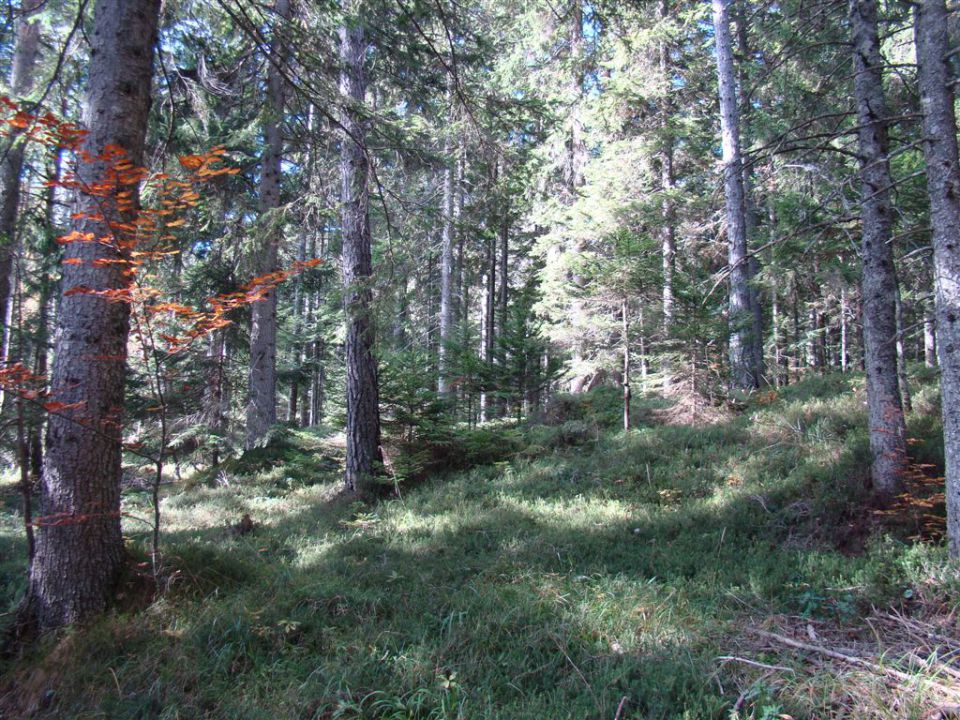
[599,573]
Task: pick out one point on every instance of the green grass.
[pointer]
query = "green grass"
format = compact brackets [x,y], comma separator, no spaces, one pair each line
[595,565]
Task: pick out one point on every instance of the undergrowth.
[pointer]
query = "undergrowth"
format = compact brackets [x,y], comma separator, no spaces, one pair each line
[567,569]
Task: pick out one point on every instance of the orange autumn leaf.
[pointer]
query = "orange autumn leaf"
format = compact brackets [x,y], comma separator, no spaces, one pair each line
[55,406]
[191,162]
[75,236]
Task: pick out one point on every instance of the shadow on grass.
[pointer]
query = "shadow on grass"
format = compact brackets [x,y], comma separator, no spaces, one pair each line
[553,586]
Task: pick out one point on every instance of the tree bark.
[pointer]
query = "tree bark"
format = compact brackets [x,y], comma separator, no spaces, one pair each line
[844,332]
[906,399]
[929,337]
[795,356]
[577,155]
[300,310]
[668,232]
[751,215]
[625,343]
[887,429]
[262,404]
[460,313]
[79,545]
[943,187]
[446,260]
[744,375]
[364,459]
[488,322]
[775,330]
[503,290]
[47,288]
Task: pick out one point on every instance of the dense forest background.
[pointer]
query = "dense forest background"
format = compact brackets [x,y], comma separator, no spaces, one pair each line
[381,243]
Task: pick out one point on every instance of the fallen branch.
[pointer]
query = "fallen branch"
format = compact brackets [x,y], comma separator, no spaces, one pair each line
[944,712]
[931,665]
[754,663]
[855,660]
[620,707]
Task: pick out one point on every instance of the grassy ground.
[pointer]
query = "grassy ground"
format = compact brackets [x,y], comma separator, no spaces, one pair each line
[595,574]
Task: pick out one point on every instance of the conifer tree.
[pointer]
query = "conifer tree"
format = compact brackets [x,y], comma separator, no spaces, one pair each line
[79,547]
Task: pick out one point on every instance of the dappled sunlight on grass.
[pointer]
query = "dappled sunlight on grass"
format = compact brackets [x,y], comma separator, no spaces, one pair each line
[553,585]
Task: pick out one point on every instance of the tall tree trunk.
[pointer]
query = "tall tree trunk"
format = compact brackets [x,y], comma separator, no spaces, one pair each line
[488,323]
[929,336]
[461,310]
[216,390]
[756,316]
[318,384]
[668,230]
[795,316]
[503,289]
[642,347]
[668,235]
[775,330]
[79,545]
[625,344]
[844,331]
[364,459]
[887,430]
[262,404]
[300,303]
[943,186]
[25,55]
[47,288]
[577,155]
[744,374]
[750,207]
[402,319]
[906,399]
[446,259]
[819,339]
[307,359]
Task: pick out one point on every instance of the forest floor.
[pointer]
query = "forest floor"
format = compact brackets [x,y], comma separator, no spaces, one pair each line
[727,569]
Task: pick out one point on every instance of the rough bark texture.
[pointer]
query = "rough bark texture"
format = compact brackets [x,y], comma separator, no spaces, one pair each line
[887,430]
[943,186]
[363,404]
[12,151]
[751,215]
[262,403]
[744,374]
[79,546]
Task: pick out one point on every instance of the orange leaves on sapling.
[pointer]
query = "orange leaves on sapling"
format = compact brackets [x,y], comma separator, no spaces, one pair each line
[16,376]
[202,323]
[137,233]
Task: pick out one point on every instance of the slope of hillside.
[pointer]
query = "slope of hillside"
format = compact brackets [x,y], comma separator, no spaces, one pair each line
[596,573]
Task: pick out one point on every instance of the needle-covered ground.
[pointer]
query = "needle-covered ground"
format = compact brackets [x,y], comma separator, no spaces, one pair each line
[589,573]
